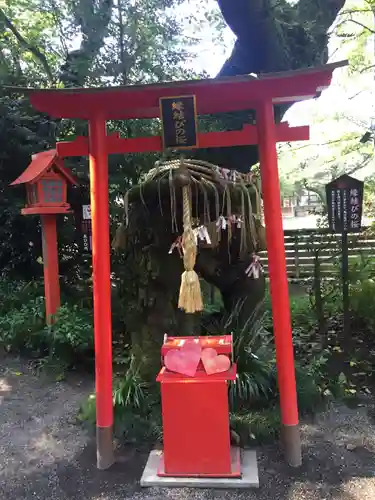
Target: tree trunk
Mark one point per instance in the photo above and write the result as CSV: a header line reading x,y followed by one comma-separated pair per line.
x,y
93,19
241,294
273,36
277,36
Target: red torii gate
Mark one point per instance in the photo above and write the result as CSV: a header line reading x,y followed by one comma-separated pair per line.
x,y
212,96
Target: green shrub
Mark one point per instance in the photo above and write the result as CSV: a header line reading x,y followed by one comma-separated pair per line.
x,y
87,411
136,403
361,280
137,408
69,341
15,294
72,328
255,384
362,301
135,426
130,391
301,312
23,326
361,267
254,355
309,393
254,352
130,423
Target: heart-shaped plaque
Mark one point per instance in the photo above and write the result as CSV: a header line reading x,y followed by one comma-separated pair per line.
x,y
214,363
184,360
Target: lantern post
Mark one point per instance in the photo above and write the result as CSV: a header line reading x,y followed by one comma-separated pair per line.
x,y
50,266
46,182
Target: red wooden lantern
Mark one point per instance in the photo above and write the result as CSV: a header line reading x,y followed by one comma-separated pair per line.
x,y
46,182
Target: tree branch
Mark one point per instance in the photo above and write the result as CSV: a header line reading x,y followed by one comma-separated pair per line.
x,y
353,11
319,190
121,43
362,25
93,19
328,143
355,95
366,68
326,10
38,55
359,166
57,18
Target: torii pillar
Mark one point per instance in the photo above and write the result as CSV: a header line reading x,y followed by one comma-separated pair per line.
x,y
98,158
279,287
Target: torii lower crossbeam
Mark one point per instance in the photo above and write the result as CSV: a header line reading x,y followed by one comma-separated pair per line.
x,y
245,137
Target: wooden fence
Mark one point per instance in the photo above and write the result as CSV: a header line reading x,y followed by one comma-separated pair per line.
x,y
302,247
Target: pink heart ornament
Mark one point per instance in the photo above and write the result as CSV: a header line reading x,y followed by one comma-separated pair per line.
x,y
214,363
184,360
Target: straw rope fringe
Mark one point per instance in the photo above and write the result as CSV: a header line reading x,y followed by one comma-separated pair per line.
x,y
206,181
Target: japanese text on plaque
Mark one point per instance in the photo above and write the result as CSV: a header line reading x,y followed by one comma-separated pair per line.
x,y
344,203
355,207
178,114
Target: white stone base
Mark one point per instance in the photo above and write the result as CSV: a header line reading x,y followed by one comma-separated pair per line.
x,y
249,475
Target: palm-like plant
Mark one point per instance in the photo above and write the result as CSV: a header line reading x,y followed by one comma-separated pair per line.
x,y
253,353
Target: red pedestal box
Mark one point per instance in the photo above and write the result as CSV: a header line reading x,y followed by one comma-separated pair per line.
x,y
196,418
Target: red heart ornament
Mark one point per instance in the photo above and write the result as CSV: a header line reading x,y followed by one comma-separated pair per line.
x,y
214,363
184,360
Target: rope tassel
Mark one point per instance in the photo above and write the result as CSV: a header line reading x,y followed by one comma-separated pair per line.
x,y
190,299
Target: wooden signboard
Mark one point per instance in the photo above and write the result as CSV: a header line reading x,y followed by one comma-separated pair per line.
x,y
179,122
86,228
344,201
82,215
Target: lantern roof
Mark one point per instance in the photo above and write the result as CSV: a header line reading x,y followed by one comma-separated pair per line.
x,y
215,95
42,163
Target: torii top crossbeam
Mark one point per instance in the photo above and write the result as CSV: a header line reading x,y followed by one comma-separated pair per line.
x,y
212,96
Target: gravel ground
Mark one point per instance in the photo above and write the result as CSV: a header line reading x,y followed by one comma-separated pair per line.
x,y
46,454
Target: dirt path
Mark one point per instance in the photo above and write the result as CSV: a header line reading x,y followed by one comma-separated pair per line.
x,y
45,454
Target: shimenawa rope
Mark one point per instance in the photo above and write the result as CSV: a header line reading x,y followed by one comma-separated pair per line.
x,y
190,299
